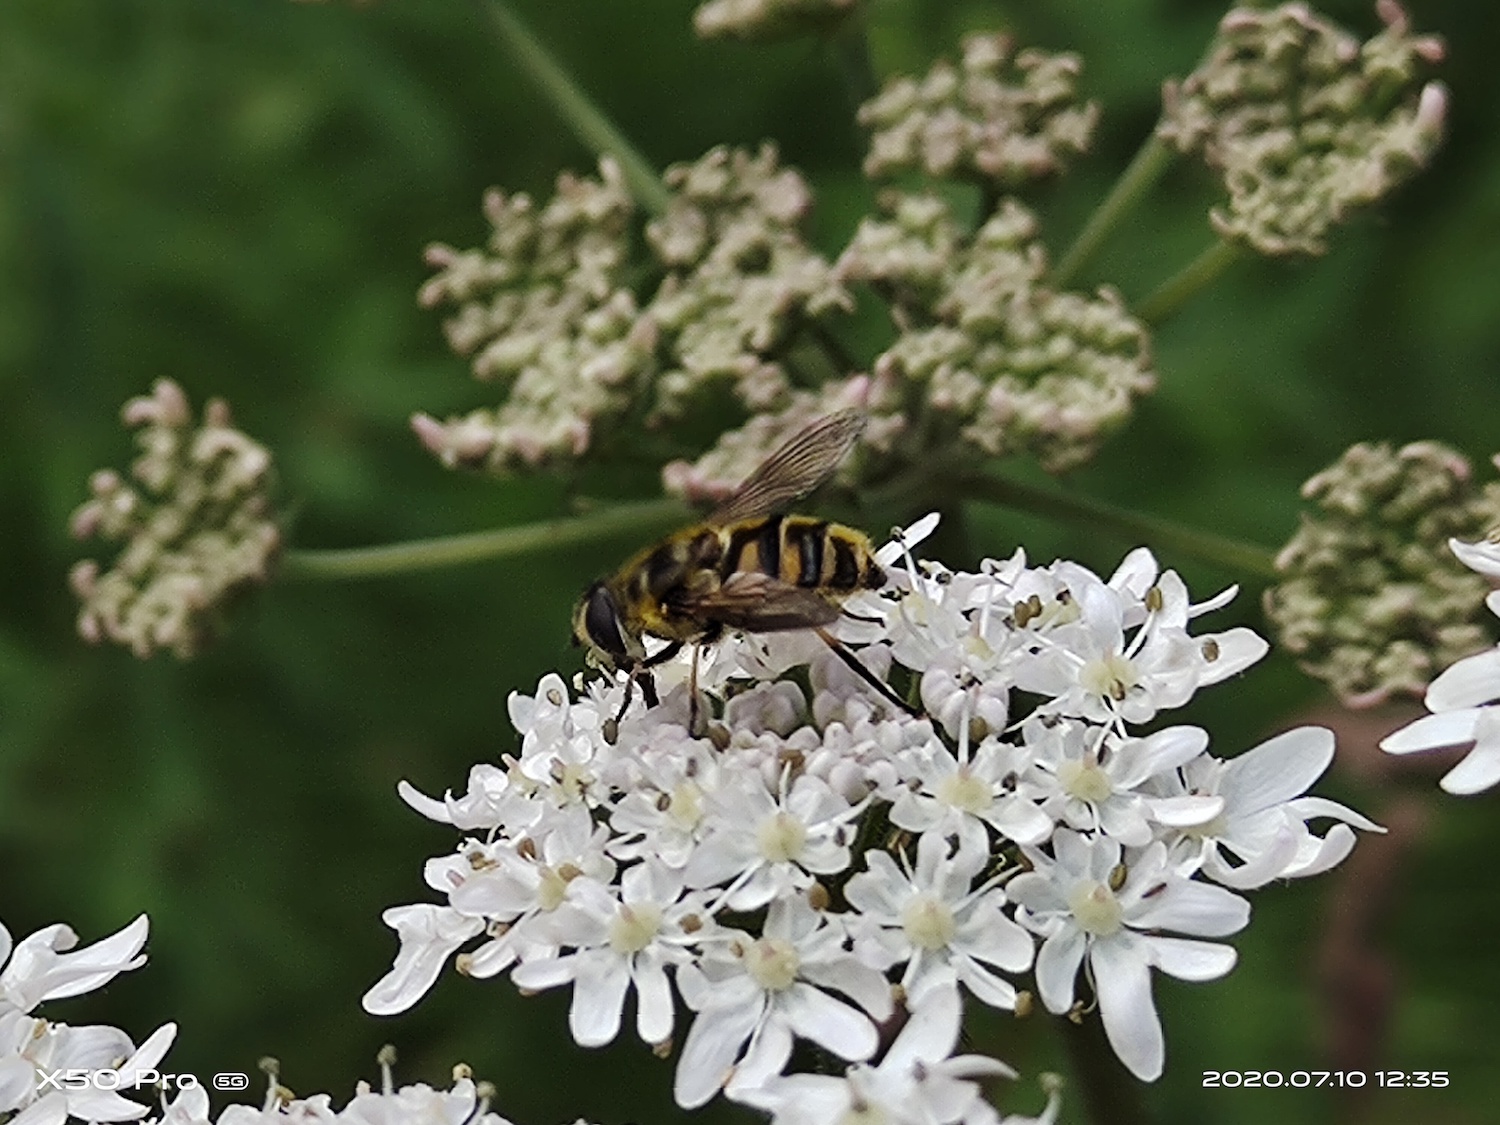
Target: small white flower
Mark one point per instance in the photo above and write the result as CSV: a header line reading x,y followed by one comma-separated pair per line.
x,y
44,966
1462,702
1099,778
1072,902
1262,832
429,935
918,1082
958,794
763,846
754,995
935,921
621,941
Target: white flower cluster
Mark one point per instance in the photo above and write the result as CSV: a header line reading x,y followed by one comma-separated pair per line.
x,y
1465,699
45,966
821,857
466,1103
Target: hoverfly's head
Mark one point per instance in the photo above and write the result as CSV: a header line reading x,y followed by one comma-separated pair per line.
x,y
600,629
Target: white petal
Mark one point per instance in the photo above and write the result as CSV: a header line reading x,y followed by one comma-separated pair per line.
x,y
429,934
1057,968
1329,852
815,1015
713,1044
931,1032
1123,982
1190,960
51,1110
1448,728
653,999
598,999
1468,683
1482,556
1184,812
1190,908
1238,649
1277,770
1478,771
430,807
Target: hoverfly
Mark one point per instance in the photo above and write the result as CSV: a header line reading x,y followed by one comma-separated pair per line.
x,y
745,567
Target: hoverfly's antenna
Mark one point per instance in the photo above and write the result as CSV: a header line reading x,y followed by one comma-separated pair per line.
x,y
857,666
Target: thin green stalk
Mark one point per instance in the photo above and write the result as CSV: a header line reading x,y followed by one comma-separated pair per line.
x,y
1198,274
588,122
1150,161
1163,534
504,542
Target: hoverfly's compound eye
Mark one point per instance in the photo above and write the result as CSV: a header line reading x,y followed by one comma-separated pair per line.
x,y
601,621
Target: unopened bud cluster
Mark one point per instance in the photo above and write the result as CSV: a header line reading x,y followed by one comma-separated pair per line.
x,y
1304,122
195,522
542,311
1001,116
768,19
741,279
1373,602
988,352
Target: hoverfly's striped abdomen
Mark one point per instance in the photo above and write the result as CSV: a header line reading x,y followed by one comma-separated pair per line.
x,y
801,551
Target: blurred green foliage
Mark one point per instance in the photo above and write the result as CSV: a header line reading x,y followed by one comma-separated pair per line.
x,y
235,194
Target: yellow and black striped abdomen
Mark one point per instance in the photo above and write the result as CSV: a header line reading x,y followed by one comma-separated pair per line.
x,y
800,551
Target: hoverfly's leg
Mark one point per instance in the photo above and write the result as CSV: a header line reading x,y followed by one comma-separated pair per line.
x,y
693,714
611,728
648,686
856,666
648,681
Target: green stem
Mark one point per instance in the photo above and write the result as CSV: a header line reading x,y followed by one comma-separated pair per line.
x,y
1150,161
1159,533
588,122
1198,274
454,550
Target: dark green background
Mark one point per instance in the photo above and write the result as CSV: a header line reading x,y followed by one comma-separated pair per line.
x,y
235,194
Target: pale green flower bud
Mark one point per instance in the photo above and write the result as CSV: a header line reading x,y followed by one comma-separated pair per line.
x,y
196,526
1001,117
1373,602
543,310
769,19
988,354
1305,123
741,281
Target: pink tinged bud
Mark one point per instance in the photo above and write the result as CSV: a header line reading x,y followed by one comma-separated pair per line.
x,y
84,578
430,432
1432,109
1392,15
104,482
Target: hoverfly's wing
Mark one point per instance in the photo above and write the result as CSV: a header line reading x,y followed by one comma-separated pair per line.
x,y
758,603
794,470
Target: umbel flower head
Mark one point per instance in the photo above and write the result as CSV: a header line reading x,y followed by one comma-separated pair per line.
x,y
988,352
195,521
1001,117
543,311
749,866
769,19
740,278
46,966
1304,122
1373,602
